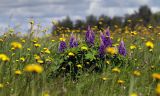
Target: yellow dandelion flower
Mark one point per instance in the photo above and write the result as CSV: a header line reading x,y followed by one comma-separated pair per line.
x,y
111,50
156,76
136,73
133,33
34,68
133,94
31,21
62,39
79,66
46,94
37,45
4,57
70,54
132,47
28,49
22,59
150,44
52,40
116,70
104,78
107,62
46,50
40,61
23,41
84,48
37,57
158,89
18,72
1,40
17,60
120,82
16,45
1,85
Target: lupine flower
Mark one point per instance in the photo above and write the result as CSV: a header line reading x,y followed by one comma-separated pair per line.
x,y
90,37
104,39
62,46
101,49
122,49
108,37
107,32
73,42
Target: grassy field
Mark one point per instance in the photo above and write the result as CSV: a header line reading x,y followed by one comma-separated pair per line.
x,y
29,64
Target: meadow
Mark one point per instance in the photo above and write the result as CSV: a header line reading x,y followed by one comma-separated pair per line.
x,y
123,62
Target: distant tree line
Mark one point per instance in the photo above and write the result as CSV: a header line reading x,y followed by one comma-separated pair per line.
x,y
143,16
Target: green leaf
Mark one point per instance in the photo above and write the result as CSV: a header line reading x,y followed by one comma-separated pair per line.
x,y
89,56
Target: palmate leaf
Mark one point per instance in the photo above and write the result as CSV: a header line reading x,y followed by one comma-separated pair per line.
x,y
89,56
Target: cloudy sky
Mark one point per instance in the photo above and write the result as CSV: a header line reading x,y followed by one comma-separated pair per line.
x,y
18,12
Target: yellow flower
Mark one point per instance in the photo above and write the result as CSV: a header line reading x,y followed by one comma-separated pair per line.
x,y
79,66
136,73
133,94
133,33
104,78
149,44
132,47
46,94
70,54
34,68
1,85
36,57
31,21
62,39
37,45
116,70
23,41
18,72
120,82
4,57
156,76
1,40
28,49
40,61
111,50
52,40
107,62
84,48
22,59
158,89
16,45
46,50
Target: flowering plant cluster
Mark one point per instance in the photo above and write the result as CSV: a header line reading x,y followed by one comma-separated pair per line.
x,y
89,55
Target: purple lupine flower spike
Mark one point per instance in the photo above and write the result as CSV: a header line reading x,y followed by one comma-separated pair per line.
x,y
109,40
90,37
73,42
122,49
62,46
107,32
101,49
